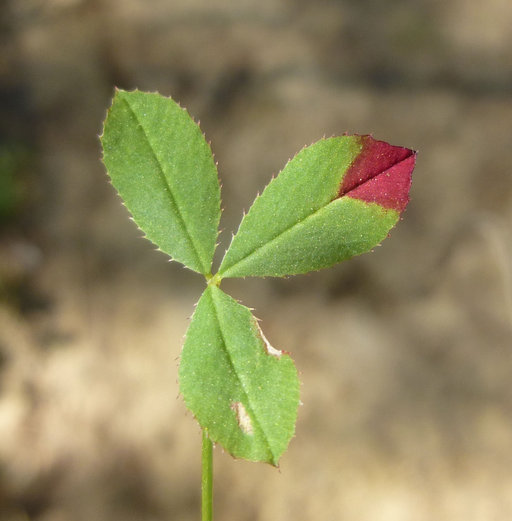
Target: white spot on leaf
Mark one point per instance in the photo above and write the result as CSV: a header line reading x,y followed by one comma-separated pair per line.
x,y
244,421
268,347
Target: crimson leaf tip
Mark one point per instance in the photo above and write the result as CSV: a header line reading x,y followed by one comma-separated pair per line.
x,y
381,173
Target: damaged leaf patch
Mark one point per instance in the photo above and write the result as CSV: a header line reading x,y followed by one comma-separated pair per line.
x,y
381,174
243,419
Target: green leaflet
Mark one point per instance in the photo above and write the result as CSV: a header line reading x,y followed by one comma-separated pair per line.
x,y
162,167
244,393
300,223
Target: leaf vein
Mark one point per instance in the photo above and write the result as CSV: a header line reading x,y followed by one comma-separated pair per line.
x,y
269,242
380,172
231,363
169,191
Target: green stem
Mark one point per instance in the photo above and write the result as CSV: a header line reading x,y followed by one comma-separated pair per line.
x,y
206,478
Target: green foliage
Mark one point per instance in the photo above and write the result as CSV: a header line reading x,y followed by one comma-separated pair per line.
x,y
335,199
161,165
244,392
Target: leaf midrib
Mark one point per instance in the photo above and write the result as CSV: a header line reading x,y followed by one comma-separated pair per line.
x,y
362,182
169,192
231,363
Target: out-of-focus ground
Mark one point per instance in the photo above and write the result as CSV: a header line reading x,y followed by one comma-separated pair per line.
x,y
405,354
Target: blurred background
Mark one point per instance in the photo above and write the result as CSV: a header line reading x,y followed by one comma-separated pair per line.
x,y
404,354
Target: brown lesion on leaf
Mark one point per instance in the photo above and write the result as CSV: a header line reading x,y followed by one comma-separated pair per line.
x,y
243,419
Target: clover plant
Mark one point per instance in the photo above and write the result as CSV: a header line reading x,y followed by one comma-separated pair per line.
x,y
335,199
